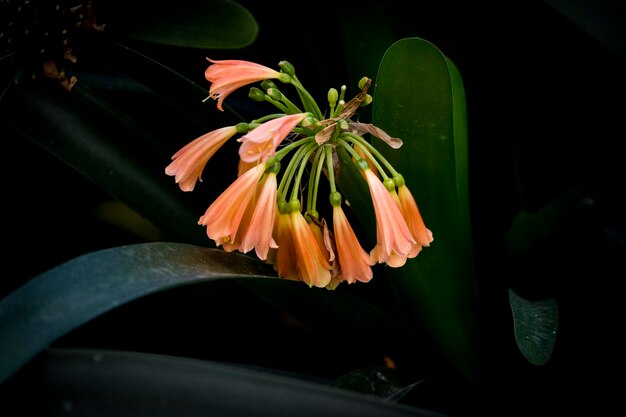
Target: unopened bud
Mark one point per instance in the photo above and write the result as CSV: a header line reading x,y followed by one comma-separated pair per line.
x,y
333,95
275,94
362,82
367,100
287,68
309,121
343,125
267,84
256,94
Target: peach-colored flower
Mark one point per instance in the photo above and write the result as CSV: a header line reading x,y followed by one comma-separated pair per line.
x,y
258,234
355,263
227,76
284,258
422,235
313,269
244,166
222,219
393,237
261,142
189,162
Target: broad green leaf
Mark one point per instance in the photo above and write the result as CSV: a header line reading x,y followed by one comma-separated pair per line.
x,y
67,296
208,24
535,324
419,98
88,381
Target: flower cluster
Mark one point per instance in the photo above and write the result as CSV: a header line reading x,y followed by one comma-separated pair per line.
x,y
265,209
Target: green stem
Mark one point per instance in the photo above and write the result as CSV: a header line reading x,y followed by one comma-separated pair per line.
x,y
282,152
268,117
370,149
277,103
354,153
307,100
329,167
309,149
289,172
318,162
292,107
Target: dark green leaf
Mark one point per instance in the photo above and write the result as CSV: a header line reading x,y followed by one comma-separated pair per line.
x,y
420,98
65,297
97,382
535,324
208,24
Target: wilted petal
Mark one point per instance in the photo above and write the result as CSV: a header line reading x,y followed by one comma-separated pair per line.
x,y
313,269
362,128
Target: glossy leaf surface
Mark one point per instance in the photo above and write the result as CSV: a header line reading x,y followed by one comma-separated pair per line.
x,y
420,98
65,297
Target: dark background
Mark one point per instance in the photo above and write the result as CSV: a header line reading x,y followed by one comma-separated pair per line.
x,y
545,97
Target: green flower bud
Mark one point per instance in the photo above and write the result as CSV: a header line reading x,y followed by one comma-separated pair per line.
x,y
287,68
267,84
256,94
275,94
309,121
343,125
333,95
362,82
367,100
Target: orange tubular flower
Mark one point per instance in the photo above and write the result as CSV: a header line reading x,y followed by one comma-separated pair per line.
x,y
313,269
258,235
422,235
227,76
261,143
223,217
393,237
355,263
284,257
189,162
